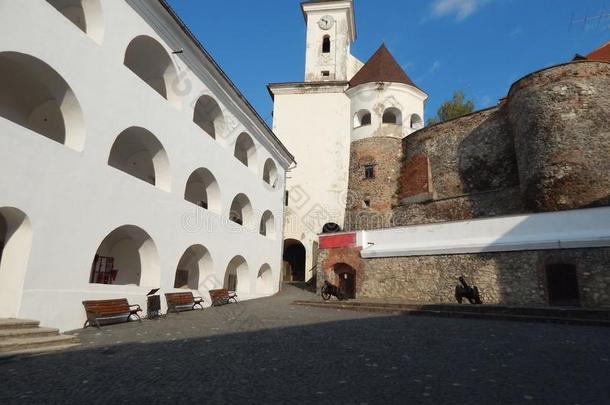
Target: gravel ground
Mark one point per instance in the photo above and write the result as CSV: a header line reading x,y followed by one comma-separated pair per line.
x,y
267,351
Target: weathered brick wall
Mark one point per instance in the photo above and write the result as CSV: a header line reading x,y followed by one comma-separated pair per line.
x,y
461,169
329,258
385,153
561,124
511,278
482,205
547,148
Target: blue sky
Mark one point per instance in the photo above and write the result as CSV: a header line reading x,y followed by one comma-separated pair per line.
x,y
479,46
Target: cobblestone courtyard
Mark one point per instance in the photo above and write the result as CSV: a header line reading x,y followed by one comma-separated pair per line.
x,y
268,351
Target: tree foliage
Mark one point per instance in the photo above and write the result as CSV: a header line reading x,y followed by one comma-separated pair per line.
x,y
457,107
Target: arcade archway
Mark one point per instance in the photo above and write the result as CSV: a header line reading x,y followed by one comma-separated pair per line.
x,y
294,260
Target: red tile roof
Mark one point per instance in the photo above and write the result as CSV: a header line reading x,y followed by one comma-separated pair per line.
x,y
381,67
602,53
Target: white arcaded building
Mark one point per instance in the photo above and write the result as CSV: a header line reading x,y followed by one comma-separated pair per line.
x,y
341,101
128,162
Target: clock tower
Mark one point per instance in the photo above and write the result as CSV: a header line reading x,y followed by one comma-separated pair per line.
x,y
331,30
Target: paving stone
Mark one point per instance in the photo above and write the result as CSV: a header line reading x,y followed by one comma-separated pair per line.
x,y
297,353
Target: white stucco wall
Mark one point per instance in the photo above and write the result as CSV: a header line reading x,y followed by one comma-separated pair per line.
x,y
314,124
377,98
73,199
586,228
338,61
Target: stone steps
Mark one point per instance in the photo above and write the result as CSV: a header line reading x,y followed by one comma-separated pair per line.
x,y
572,316
6,334
17,324
19,336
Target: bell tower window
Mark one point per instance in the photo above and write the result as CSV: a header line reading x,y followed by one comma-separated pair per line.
x,y
326,44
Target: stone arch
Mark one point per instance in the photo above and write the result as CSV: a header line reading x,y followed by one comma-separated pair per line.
x,y
209,117
245,151
264,280
15,247
85,14
346,279
195,269
241,210
202,190
416,122
267,227
149,60
294,259
136,151
362,118
36,97
392,115
270,175
127,256
237,276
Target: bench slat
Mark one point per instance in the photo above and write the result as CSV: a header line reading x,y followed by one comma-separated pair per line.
x,y
108,309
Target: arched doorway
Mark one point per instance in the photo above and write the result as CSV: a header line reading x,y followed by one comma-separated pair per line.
x,y
127,256
203,191
237,276
137,152
149,60
241,211
36,97
264,280
209,117
15,244
245,151
85,14
194,268
294,260
562,285
346,276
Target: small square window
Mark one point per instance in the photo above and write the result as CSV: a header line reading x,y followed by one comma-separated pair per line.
x,y
367,203
369,171
326,73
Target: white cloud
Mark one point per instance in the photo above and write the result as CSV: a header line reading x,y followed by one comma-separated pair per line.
x,y
461,9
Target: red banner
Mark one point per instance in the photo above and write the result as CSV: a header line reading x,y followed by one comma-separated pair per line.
x,y
337,241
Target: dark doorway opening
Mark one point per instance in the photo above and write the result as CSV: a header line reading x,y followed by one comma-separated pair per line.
x,y
562,285
294,261
347,280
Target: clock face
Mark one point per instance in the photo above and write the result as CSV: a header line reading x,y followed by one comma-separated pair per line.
x,y
326,22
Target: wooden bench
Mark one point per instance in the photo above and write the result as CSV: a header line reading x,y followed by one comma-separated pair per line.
x,y
108,310
183,301
222,297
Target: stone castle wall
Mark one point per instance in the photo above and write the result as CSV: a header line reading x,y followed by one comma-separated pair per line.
x,y
544,149
560,119
384,153
507,278
462,169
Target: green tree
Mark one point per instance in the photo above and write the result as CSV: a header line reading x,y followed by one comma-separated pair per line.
x,y
457,107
